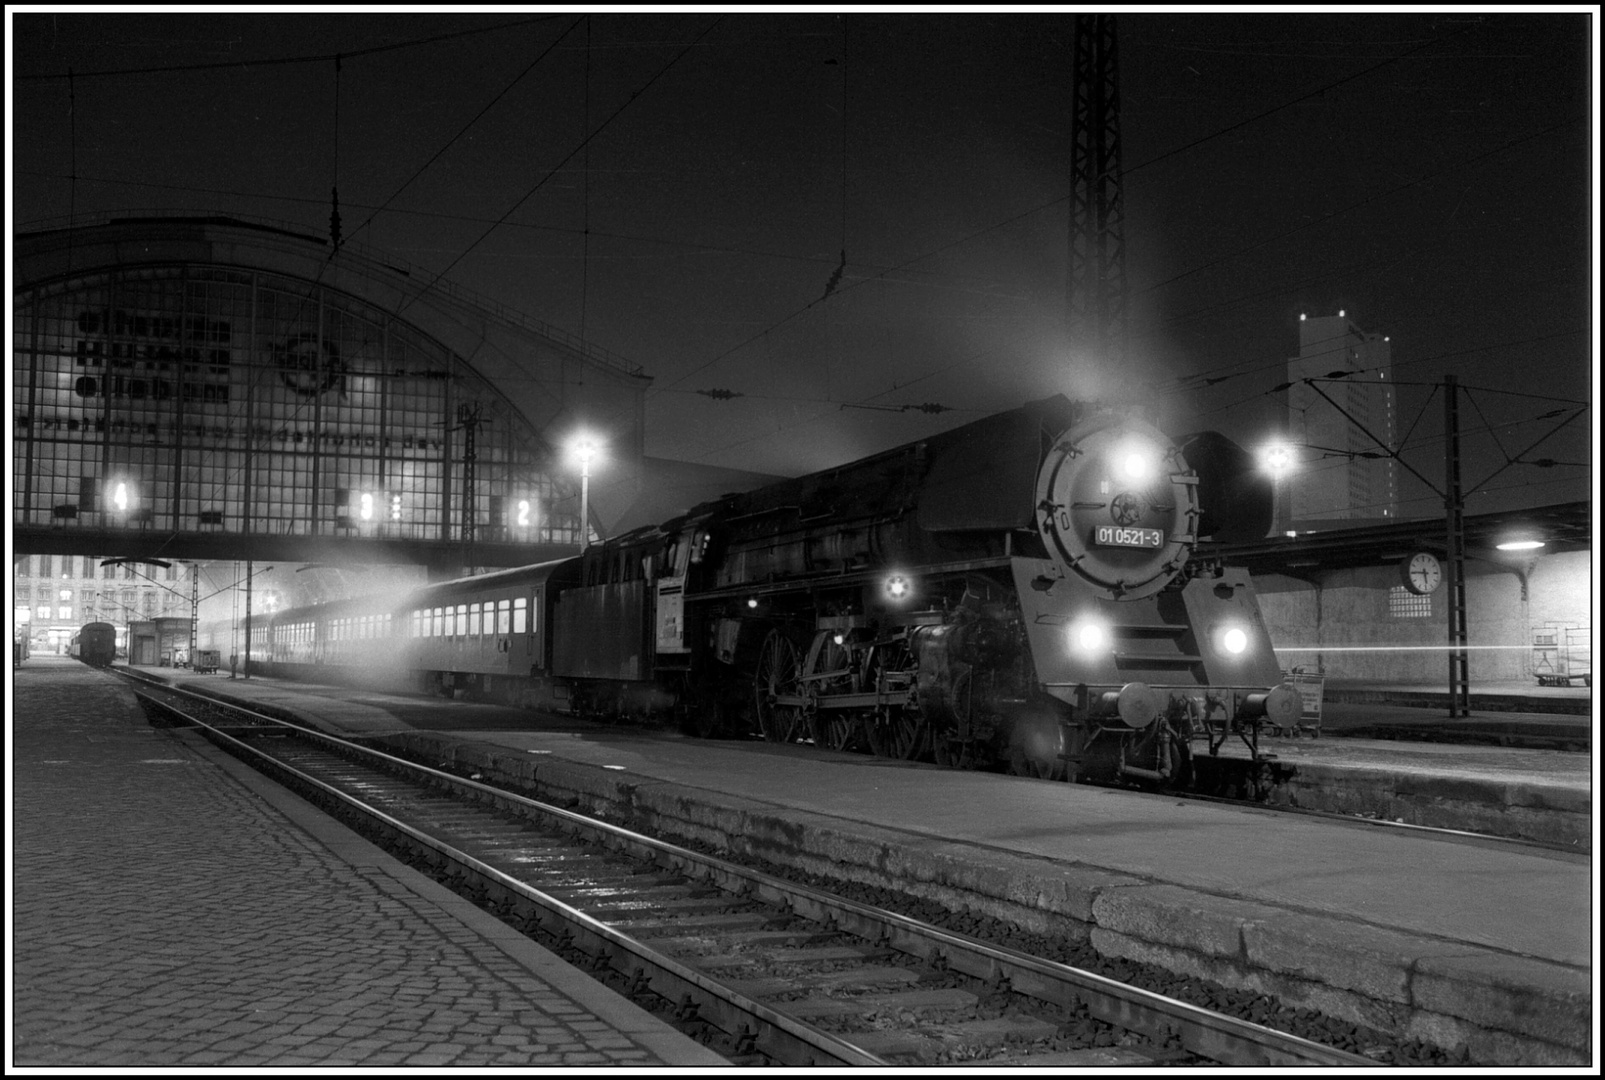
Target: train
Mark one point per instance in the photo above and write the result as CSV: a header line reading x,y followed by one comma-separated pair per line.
x,y
1023,592
95,644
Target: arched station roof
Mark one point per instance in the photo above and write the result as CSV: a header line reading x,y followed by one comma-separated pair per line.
x,y
220,388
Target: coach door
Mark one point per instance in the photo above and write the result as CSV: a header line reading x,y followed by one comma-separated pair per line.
x,y
518,625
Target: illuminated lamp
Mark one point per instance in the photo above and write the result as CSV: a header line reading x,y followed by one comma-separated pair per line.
x,y
1089,637
365,510
898,587
525,514
1231,640
1136,463
585,449
1277,457
752,601
1520,545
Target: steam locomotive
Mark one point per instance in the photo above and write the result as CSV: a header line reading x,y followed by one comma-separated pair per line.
x,y
1020,592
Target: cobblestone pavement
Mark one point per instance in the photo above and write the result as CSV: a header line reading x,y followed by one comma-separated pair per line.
x,y
171,909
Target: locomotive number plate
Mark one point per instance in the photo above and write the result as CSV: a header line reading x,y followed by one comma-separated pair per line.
x,y
1116,536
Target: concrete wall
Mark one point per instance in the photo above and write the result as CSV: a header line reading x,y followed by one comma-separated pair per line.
x,y
1350,611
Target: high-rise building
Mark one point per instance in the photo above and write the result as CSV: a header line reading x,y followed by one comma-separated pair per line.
x,y
1345,470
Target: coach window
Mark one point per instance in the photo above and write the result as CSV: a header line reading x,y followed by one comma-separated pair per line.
x,y
504,616
462,619
520,615
473,620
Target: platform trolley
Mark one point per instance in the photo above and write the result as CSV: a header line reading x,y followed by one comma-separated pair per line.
x,y
1562,653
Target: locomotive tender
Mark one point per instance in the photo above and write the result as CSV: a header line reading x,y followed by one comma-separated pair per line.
x,y
1019,591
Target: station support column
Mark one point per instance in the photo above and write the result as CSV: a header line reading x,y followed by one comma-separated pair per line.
x,y
1454,506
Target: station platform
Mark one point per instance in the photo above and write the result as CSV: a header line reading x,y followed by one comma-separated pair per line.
x,y
1464,943
1526,696
173,908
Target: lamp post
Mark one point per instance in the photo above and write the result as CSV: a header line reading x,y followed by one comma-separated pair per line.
x,y
584,449
1277,458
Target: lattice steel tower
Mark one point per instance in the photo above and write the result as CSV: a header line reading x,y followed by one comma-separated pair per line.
x,y
1097,282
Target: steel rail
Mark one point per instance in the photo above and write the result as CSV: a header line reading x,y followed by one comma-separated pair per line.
x,y
774,1033
1206,1033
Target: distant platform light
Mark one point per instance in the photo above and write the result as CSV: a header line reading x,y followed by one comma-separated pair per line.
x,y
1342,314
1277,457
897,587
752,601
1520,545
1302,317
395,508
367,506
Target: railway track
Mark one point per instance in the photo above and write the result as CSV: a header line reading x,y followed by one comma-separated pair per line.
x,y
763,969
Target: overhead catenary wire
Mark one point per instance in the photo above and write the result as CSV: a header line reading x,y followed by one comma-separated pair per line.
x,y
587,243
305,58
1151,161
631,100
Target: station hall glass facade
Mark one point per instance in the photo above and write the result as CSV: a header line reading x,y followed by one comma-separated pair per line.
x,y
210,399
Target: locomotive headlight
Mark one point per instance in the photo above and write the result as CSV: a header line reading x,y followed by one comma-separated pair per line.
x,y
1136,462
1090,637
1231,640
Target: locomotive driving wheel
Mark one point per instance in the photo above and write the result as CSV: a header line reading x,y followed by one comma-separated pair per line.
x,y
902,734
836,729
777,675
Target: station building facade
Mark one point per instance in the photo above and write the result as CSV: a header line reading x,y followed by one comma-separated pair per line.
x,y
205,379
54,595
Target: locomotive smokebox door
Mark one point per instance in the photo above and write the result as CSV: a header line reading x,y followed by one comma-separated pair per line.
x,y
1118,506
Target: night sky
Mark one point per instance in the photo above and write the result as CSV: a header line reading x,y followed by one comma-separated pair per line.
x,y
1430,174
